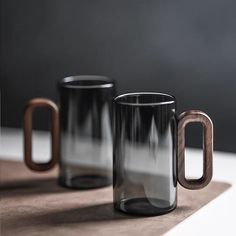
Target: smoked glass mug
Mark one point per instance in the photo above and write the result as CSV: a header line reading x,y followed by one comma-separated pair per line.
x,y
81,132
149,152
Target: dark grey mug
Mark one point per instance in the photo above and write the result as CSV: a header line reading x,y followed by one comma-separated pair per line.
x,y
149,147
81,132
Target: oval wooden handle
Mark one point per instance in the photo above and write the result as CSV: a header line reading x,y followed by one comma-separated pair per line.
x,y
184,119
27,128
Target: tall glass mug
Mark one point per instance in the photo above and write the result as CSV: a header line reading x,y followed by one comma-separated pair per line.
x,y
149,148
81,132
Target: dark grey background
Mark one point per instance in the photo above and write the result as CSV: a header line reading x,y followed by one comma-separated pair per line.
x,y
185,47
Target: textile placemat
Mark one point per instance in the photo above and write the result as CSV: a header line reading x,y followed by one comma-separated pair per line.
x,y
34,204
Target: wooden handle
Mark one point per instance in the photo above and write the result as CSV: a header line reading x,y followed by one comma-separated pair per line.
x,y
184,119
27,127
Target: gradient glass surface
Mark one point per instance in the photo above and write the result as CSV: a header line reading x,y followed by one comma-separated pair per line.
x,y
144,155
86,133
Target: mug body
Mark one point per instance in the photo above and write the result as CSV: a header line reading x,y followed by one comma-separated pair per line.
x,y
86,131
144,153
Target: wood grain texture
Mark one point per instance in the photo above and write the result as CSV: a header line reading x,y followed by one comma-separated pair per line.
x,y
27,128
184,119
34,204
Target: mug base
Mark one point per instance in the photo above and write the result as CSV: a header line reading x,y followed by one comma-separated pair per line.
x,y
85,182
144,206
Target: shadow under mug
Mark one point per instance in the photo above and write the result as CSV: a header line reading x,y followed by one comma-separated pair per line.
x,y
149,152
81,132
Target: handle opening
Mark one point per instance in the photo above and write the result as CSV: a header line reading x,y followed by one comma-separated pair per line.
x,y
184,119
27,128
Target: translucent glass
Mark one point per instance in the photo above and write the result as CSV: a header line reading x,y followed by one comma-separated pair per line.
x,y
144,158
86,132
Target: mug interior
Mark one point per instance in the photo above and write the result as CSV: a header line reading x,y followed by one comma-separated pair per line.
x,y
145,98
86,81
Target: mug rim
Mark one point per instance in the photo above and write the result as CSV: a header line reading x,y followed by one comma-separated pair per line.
x,y
119,98
100,81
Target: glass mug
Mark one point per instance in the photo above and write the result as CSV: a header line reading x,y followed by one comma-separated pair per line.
x,y
148,152
81,132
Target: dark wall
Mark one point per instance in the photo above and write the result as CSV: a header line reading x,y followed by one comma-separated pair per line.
x,y
185,47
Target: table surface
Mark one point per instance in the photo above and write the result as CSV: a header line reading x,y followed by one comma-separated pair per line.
x,y
215,218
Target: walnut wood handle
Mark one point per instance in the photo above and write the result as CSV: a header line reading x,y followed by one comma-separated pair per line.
x,y
27,127
184,119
